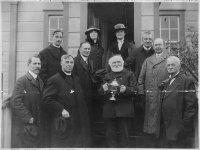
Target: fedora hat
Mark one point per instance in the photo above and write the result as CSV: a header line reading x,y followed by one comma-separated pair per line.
x,y
92,28
119,26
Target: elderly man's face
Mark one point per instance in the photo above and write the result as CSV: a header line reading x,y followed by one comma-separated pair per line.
x,y
85,49
158,46
67,64
120,34
116,66
35,65
172,66
147,40
57,38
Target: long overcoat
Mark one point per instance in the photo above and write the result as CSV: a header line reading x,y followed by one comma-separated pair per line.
x,y
123,106
153,72
50,61
25,103
179,107
65,92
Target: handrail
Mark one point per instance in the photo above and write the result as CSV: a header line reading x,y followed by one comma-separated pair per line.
x,y
5,102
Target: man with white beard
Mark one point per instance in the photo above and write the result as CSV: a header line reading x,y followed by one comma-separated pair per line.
x,y
118,107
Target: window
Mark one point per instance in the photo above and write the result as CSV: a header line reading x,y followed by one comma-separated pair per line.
x,y
55,22
169,28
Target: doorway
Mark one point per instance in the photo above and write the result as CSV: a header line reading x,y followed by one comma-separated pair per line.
x,y
106,15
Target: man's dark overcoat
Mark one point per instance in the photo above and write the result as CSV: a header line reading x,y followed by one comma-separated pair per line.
x,y
25,103
123,106
65,92
50,61
136,59
153,72
179,106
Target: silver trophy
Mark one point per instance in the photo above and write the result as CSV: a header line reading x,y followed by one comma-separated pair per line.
x,y
113,86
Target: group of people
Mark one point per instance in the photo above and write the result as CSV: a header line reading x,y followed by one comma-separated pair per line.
x,y
52,103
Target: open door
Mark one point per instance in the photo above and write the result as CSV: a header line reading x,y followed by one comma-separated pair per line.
x,y
106,15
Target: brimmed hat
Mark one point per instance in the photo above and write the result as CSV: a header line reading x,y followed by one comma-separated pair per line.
x,y
119,26
91,28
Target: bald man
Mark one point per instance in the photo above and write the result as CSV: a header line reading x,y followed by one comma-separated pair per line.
x,y
179,107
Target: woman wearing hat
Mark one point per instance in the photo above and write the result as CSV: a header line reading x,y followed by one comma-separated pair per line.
x,y
120,45
97,50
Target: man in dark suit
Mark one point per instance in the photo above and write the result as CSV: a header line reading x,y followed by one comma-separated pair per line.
x,y
120,45
134,63
25,104
179,107
50,65
118,109
63,99
50,56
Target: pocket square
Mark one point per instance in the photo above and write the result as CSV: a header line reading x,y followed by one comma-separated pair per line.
x,y
72,91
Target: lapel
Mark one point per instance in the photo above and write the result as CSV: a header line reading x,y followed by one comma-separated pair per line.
x,y
32,80
170,88
124,47
63,75
41,83
83,63
156,61
56,52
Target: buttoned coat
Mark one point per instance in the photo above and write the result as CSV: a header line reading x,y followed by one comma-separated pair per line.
x,y
179,107
64,92
50,61
123,106
25,103
153,72
136,58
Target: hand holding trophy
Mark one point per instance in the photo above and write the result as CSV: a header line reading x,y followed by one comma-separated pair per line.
x,y
113,86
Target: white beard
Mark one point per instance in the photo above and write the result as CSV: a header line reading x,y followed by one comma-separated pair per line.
x,y
117,69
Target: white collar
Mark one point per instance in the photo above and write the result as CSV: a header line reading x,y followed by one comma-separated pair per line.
x,y
84,58
33,74
159,54
68,74
55,45
120,41
147,49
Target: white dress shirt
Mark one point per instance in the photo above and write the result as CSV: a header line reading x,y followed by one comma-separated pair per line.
x,y
158,55
85,59
33,74
120,43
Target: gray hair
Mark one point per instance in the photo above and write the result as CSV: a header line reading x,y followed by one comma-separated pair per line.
x,y
66,56
174,58
114,58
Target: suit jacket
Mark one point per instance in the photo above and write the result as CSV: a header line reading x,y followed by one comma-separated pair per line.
x,y
85,73
64,92
179,106
153,72
50,61
136,58
25,103
123,106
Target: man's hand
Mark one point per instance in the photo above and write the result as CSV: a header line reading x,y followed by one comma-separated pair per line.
x,y
122,89
105,87
65,113
31,120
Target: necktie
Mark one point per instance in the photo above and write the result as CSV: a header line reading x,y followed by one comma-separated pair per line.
x,y
37,82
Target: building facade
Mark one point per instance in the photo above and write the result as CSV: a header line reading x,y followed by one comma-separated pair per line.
x,y
27,28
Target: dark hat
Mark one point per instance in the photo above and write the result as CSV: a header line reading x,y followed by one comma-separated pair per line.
x,y
31,135
62,125
91,28
119,26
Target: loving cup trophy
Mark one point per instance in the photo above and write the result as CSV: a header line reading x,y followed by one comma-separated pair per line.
x,y
113,86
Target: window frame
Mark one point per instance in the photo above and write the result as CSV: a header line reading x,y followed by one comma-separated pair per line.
x,y
48,13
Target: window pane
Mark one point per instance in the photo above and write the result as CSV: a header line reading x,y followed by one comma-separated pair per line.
x,y
165,34
53,23
174,22
164,22
174,35
50,35
61,23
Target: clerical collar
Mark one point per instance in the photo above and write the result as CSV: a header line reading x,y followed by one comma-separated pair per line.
x,y
84,58
158,55
68,74
170,76
145,48
33,74
55,46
